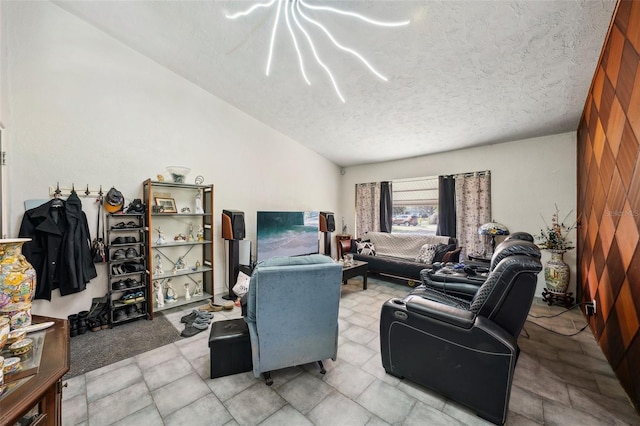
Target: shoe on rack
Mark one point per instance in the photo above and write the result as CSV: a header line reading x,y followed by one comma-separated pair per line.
x,y
120,315
119,254
133,267
117,270
119,285
128,298
132,224
131,253
119,240
131,240
139,296
131,283
132,311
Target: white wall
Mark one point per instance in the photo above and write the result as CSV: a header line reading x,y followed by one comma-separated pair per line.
x,y
85,109
527,178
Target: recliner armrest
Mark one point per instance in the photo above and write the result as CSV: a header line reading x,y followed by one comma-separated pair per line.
x,y
438,311
461,287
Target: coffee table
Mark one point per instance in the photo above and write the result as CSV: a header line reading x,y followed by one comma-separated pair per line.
x,y
356,269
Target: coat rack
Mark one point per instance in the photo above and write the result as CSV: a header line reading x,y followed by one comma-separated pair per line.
x,y
57,191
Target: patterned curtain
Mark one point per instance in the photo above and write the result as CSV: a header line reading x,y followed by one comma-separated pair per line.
x,y
473,208
367,208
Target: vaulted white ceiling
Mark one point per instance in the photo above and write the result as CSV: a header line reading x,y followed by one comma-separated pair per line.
x,y
461,74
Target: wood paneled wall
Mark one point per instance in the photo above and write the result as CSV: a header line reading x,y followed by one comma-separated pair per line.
x,y
609,198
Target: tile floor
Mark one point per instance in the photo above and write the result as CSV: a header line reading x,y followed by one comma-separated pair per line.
x,y
558,381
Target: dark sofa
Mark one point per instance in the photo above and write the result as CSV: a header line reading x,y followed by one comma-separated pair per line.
x,y
395,254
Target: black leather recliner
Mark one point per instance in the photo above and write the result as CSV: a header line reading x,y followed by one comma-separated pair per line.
x,y
466,287
466,351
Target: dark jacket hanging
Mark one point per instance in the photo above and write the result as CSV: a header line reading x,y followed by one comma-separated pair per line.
x,y
59,249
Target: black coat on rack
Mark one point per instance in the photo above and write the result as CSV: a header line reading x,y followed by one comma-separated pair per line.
x,y
60,246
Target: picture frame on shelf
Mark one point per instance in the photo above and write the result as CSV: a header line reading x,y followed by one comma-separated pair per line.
x,y
168,204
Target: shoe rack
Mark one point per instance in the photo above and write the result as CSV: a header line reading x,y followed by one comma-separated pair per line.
x,y
128,272
179,243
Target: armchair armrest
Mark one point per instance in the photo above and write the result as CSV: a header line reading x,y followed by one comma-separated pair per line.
x,y
452,256
344,246
440,312
462,287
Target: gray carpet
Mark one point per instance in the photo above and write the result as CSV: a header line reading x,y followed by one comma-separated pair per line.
x,y
94,350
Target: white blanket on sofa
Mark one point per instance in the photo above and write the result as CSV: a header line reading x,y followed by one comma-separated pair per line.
x,y
404,246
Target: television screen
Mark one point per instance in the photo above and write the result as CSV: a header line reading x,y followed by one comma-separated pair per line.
x,y
286,234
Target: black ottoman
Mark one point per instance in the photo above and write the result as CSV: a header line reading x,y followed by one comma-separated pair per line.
x,y
230,348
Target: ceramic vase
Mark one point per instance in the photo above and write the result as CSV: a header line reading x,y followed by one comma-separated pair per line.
x,y
556,273
17,283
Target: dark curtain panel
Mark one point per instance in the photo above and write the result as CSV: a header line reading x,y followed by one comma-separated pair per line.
x,y
386,206
446,206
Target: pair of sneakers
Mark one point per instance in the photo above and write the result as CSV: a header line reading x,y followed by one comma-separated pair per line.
x,y
127,268
124,240
132,297
121,254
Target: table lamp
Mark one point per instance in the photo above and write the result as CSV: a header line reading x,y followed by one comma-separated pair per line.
x,y
493,228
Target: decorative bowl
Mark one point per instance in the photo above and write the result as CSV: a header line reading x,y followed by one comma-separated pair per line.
x,y
16,336
21,347
11,365
178,173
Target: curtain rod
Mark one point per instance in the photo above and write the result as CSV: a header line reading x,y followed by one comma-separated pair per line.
x,y
470,174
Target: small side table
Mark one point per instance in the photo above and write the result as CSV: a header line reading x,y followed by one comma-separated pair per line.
x,y
357,268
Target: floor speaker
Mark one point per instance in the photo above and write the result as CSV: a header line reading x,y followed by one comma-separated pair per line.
x,y
233,225
327,222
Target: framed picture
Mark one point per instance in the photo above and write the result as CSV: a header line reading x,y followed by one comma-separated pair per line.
x,y
168,205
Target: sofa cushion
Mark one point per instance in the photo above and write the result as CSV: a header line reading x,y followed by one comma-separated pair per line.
x,y
427,252
366,248
441,250
404,246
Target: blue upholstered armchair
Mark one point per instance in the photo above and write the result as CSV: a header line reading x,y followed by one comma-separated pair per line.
x,y
292,312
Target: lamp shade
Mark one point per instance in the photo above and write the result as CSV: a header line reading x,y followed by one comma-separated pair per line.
x,y
493,228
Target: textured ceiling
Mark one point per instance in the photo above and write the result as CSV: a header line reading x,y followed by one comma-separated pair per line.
x,y
463,73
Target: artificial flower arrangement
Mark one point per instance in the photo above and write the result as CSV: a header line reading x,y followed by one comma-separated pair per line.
x,y
556,236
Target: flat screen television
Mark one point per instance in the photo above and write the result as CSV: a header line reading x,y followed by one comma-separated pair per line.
x,y
286,234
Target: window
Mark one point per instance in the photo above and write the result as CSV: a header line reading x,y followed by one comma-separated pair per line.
x,y
415,205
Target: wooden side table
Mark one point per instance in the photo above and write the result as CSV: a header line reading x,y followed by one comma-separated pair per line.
x,y
44,389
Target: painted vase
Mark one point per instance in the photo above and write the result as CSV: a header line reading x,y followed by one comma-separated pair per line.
x,y
17,283
556,273
4,331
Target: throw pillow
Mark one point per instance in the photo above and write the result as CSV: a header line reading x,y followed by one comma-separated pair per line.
x,y
366,249
426,253
441,250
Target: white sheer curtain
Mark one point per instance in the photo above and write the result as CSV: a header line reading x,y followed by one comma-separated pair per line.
x,y
473,208
367,208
